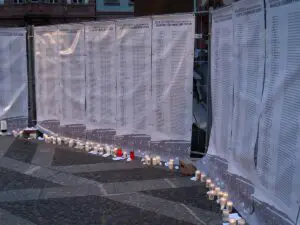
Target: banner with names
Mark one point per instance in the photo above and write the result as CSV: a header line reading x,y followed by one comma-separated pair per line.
x,y
133,38
47,73
13,77
172,77
72,56
248,72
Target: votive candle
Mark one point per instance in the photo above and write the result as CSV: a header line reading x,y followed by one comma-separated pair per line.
x,y
225,195
203,176
225,215
241,222
208,182
223,202
217,190
158,160
211,195
232,222
229,206
198,175
171,164
212,186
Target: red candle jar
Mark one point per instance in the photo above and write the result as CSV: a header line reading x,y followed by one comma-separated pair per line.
x,y
119,152
132,155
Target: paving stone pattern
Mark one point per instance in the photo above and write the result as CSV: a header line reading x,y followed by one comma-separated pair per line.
x,y
85,211
147,173
21,150
10,180
94,190
65,157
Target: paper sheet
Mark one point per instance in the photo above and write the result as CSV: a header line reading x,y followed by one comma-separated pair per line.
x,y
172,77
100,75
248,70
279,134
221,81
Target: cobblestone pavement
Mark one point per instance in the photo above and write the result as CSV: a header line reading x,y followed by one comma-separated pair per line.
x,y
44,184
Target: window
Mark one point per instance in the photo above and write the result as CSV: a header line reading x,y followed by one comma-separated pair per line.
x,y
112,2
79,1
18,1
130,3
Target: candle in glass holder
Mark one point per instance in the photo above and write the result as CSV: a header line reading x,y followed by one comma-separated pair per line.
x,y
225,215
241,222
232,222
154,161
87,147
217,190
71,143
220,195
229,206
198,175
171,164
147,160
211,186
203,176
211,195
125,154
225,195
54,140
223,202
59,141
158,160
208,182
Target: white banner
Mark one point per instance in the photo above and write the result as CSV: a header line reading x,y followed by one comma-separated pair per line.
x,y
248,72
72,55
133,75
172,77
221,81
47,73
278,161
13,73
100,75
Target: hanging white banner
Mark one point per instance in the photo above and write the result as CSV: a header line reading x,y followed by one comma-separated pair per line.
x,y
72,55
172,77
278,158
248,72
100,75
47,73
221,81
13,75
133,75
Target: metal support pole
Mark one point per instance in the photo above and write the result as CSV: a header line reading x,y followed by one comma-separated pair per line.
x,y
209,107
31,77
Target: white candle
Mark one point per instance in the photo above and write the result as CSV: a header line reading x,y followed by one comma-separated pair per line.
x,y
211,186
59,141
203,176
148,160
87,147
211,195
154,161
125,154
100,149
171,164
157,160
3,125
198,175
208,182
223,202
225,214
217,190
229,206
71,143
232,222
54,140
225,195
241,222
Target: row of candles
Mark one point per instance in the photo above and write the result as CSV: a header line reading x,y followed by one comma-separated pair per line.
x,y
155,161
88,146
222,198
